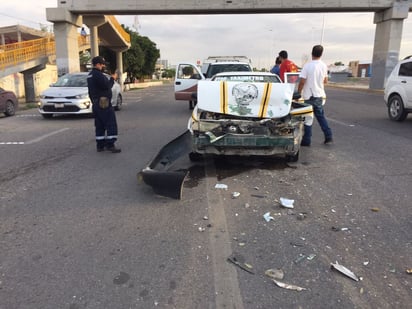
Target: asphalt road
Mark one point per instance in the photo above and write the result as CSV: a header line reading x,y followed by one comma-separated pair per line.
x,y
78,230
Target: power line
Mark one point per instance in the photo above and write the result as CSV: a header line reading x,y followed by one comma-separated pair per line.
x,y
23,19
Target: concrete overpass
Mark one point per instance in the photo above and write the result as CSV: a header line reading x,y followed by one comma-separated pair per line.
x,y
389,16
104,31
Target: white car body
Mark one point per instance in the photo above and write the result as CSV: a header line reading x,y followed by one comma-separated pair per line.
x,y
398,91
72,100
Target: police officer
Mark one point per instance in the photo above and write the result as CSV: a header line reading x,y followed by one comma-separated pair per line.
x,y
100,92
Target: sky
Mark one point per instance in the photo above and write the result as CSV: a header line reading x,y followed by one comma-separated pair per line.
x,y
192,38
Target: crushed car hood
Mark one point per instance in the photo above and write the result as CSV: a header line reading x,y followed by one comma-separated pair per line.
x,y
244,99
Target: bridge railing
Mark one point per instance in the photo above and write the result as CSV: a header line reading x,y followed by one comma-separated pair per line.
x,y
16,53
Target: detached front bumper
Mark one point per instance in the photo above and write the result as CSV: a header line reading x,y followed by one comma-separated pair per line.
x,y
166,172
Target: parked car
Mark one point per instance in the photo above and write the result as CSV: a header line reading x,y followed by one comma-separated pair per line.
x,y
398,90
8,102
69,95
247,113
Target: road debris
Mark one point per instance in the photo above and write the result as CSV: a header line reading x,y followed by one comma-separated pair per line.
x,y
237,261
375,209
287,203
288,286
300,258
221,186
342,269
235,194
311,256
268,217
338,229
275,273
409,271
301,216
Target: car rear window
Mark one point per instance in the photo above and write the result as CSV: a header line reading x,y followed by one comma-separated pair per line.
x,y
236,67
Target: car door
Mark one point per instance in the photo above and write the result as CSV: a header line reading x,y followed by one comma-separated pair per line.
x,y
187,76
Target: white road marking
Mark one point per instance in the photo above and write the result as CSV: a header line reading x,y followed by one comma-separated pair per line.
x,y
340,122
38,139
46,136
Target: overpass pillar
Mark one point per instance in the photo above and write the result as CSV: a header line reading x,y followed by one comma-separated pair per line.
x,y
119,62
66,38
28,76
93,22
388,35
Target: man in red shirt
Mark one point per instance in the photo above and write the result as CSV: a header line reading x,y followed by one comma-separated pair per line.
x,y
286,65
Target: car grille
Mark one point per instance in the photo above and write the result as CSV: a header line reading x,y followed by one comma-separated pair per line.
x,y
65,109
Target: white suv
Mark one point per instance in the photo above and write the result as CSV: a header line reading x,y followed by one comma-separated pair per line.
x,y
398,90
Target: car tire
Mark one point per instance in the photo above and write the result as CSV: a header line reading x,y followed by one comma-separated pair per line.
x,y
119,102
396,109
292,158
191,105
10,108
47,116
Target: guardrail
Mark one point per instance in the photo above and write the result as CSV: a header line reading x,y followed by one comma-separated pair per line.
x,y
17,53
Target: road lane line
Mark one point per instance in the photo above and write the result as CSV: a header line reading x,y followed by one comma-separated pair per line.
x,y
340,122
226,282
40,138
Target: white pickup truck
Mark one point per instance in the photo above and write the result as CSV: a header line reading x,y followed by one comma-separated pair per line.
x,y
188,74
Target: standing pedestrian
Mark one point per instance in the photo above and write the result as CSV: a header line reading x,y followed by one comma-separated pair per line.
x,y
83,34
100,93
276,68
286,65
313,77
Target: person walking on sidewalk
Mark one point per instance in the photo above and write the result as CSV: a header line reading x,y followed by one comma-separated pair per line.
x,y
313,77
100,93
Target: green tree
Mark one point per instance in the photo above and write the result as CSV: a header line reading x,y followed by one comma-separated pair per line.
x,y
140,59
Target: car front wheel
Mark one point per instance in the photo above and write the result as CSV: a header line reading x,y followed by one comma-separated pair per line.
x,y
10,108
396,110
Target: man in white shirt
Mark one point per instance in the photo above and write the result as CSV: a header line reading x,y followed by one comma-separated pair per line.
x,y
313,77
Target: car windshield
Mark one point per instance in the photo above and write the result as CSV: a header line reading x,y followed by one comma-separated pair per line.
x,y
72,80
249,78
214,69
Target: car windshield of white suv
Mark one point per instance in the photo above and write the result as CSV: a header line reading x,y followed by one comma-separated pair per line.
x,y
69,80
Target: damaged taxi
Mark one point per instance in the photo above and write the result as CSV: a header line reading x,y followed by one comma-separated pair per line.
x,y
248,113
237,113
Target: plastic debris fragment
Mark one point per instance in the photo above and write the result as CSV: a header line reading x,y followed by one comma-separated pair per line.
x,y
221,186
268,217
299,258
288,286
375,209
236,260
311,256
275,273
409,271
235,194
285,202
342,269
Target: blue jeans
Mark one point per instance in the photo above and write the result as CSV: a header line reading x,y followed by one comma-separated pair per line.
x,y
320,117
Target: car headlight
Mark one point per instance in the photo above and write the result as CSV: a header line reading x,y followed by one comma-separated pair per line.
x,y
42,96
